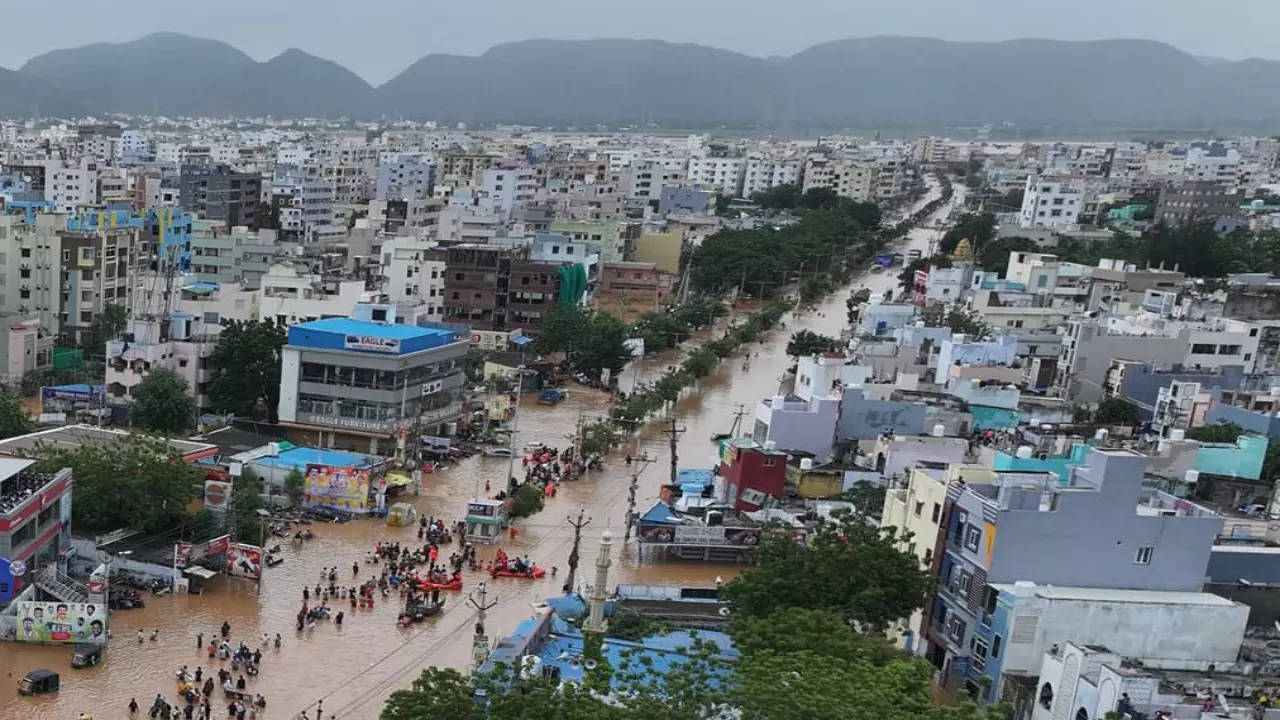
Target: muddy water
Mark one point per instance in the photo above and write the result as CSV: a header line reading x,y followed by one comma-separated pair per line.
x,y
354,667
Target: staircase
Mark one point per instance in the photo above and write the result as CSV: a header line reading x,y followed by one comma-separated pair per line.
x,y
61,586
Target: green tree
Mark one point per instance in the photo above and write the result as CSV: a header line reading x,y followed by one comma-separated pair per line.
x,y
778,197
244,523
978,228
806,342
245,368
994,256
866,497
907,278
162,404
821,631
1117,411
849,567
294,485
13,418
436,694
135,482
591,340
1219,432
106,325
956,319
527,500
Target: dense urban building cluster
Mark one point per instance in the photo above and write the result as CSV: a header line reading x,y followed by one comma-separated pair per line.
x,y
1054,385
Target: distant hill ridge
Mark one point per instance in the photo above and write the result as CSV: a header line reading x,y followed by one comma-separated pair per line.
x,y
863,82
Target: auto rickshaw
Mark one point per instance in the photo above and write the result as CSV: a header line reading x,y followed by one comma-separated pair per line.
x,y
86,655
38,682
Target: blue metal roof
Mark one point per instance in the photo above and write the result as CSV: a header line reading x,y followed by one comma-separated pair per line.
x,y
563,648
347,326
332,333
301,457
659,513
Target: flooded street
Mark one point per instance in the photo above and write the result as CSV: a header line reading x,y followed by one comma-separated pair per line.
x,y
354,667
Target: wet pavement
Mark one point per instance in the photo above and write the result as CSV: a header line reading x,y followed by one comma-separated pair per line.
x,y
355,666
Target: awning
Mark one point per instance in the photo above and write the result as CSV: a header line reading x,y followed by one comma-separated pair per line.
x,y
397,479
203,573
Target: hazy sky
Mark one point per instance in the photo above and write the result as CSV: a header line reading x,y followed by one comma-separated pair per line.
x,y
379,38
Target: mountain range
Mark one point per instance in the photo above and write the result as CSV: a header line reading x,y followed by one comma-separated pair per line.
x,y
888,82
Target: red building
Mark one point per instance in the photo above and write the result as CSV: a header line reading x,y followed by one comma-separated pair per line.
x,y
752,473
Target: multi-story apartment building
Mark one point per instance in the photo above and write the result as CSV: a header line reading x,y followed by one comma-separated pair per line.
x,y
505,187
175,325
68,185
1196,201
405,178
493,287
292,294
236,255
721,174
414,271
360,383
1050,202
216,192
853,180
1097,527
763,172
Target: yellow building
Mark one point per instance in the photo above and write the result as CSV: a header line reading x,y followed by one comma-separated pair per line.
x,y
815,483
916,509
661,249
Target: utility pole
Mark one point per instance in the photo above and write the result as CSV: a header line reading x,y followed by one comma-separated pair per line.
x,y
480,642
673,434
573,554
638,464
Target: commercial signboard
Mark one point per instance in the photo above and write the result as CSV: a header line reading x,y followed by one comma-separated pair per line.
x,y
698,535
216,495
61,622
345,488
371,343
7,582
182,553
244,561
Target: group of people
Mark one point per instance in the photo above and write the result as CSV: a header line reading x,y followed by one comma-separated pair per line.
x,y
197,689
519,565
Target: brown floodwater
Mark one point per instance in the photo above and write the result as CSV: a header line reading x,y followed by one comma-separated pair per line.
x,y
354,667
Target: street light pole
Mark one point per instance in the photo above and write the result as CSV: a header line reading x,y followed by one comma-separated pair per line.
x,y
573,554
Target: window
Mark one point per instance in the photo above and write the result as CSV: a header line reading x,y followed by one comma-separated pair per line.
x,y
955,629
1253,332
1202,348
182,362
995,648
1143,556
972,538
979,654
928,557
937,512
964,584
1042,280
919,508
771,461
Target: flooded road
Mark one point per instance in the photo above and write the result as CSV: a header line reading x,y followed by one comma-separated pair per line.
x,y
354,667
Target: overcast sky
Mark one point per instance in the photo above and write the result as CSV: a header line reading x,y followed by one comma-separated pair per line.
x,y
379,38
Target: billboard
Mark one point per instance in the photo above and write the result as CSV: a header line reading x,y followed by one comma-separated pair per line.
x,y
244,561
346,488
182,553
8,583
372,343
698,535
61,622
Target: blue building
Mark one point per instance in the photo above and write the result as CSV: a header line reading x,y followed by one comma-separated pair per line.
x,y
362,383
1097,527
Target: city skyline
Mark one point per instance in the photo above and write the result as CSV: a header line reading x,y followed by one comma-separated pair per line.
x,y
376,49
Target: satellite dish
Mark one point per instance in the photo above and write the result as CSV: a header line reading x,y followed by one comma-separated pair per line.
x,y
724,612
589,664
18,568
